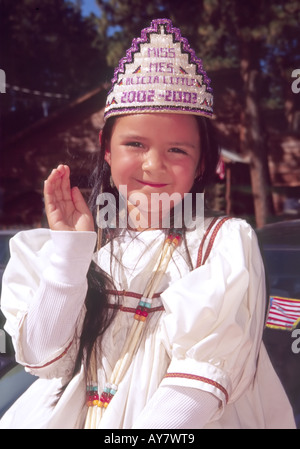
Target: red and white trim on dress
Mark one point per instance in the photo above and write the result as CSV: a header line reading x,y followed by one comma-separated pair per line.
x,y
200,379
51,361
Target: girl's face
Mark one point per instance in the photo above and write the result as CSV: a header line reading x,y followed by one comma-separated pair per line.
x,y
154,153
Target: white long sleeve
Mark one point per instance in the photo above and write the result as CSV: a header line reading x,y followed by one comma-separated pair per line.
x,y
53,312
178,408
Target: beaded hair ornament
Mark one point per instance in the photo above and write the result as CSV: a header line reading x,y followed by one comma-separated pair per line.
x,y
160,73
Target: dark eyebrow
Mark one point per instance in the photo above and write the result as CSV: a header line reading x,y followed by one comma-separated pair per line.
x,y
185,144
132,136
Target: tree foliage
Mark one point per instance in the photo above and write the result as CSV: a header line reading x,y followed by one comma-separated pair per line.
x,y
46,46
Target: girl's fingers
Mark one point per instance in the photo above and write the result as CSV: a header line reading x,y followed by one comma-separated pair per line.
x,y
57,188
58,181
65,182
84,216
66,208
79,201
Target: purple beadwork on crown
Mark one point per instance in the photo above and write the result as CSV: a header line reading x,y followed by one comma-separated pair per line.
x,y
160,72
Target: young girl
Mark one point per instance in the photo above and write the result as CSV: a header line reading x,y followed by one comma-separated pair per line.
x,y
161,326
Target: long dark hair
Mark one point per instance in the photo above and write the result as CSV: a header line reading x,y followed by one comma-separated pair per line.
x,y
98,316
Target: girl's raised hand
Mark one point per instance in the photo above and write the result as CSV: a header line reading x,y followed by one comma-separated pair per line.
x,y
66,208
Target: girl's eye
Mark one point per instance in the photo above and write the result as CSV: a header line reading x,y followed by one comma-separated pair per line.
x,y
134,144
177,150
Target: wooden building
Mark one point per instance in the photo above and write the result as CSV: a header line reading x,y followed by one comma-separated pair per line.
x,y
69,136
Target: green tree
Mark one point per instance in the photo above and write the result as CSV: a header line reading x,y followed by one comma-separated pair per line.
x,y
253,37
46,46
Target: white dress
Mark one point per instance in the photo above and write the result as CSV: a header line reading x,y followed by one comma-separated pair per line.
x,y
204,331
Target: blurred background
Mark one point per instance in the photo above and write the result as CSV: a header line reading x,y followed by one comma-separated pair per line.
x,y
58,58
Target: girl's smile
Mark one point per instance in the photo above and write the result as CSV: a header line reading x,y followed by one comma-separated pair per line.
x,y
152,184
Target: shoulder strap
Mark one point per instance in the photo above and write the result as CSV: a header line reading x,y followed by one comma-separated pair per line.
x,y
215,224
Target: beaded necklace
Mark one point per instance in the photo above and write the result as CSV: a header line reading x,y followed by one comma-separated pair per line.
x,y
96,403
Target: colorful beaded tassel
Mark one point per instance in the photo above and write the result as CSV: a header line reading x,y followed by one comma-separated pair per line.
x,y
92,396
142,309
107,395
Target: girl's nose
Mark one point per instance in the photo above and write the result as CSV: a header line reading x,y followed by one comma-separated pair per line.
x,y
153,160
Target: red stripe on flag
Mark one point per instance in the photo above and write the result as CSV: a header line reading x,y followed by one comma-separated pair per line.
x,y
284,313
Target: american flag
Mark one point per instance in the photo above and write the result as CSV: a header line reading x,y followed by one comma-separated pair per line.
x,y
284,313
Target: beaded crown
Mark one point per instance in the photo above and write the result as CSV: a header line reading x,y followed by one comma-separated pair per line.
x,y
160,73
